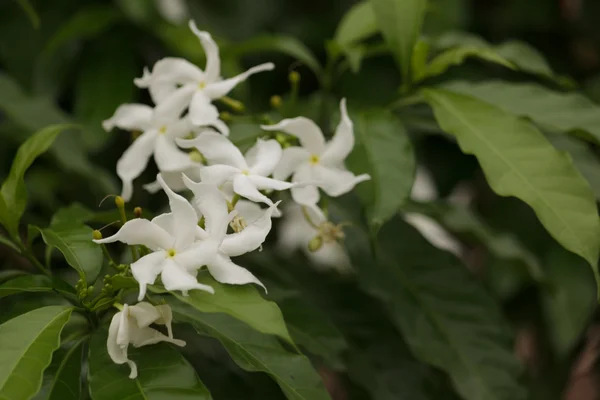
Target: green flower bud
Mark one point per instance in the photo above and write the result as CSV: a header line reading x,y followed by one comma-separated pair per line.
x,y
225,116
97,235
137,212
119,202
276,101
294,77
315,244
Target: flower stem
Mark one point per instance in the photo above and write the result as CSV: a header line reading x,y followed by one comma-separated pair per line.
x,y
121,206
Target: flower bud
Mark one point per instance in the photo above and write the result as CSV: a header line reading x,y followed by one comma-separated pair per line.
x,y
315,244
137,212
119,202
294,77
276,101
97,235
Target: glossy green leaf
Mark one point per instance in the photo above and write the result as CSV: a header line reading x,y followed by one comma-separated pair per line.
x,y
445,315
75,243
62,379
400,22
26,346
385,152
73,214
6,241
564,112
357,24
13,189
254,351
519,161
36,283
163,374
241,302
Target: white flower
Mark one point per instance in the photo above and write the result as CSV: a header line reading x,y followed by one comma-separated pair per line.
x,y
160,127
296,233
212,205
174,11
132,325
248,174
176,255
176,75
317,162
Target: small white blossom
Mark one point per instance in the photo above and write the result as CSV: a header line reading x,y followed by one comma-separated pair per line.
x,y
247,174
132,326
316,162
200,87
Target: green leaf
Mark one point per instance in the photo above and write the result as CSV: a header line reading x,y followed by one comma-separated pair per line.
x,y
357,24
445,315
27,343
13,189
385,152
73,214
400,22
254,351
62,379
36,283
519,161
75,243
6,241
31,13
241,302
163,373
564,112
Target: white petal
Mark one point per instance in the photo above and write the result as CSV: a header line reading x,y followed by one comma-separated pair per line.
x,y
149,336
169,158
174,11
141,231
248,210
309,134
167,74
124,327
175,277
225,271
291,159
434,232
263,157
198,255
130,117
307,195
146,269
173,178
144,314
245,188
203,113
134,160
216,148
212,205
216,90
170,109
294,231
337,181
342,142
181,128
212,72
116,352
185,218
332,255
251,237
218,174
423,188
263,183
166,317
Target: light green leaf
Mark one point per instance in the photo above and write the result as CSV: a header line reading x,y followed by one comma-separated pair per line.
x,y
254,351
400,22
241,302
447,318
357,24
519,161
36,283
75,243
163,373
564,112
73,214
62,379
385,152
13,189
26,344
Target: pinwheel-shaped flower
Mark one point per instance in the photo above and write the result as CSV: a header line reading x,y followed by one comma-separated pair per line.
x,y
176,75
319,163
248,174
160,127
132,325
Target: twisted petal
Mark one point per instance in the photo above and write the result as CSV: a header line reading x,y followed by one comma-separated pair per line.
x,y
216,148
342,143
212,205
337,181
134,160
166,75
291,159
198,255
173,178
263,157
307,195
225,271
185,219
118,353
146,269
251,237
141,231
216,90
309,134
243,186
218,174
212,72
169,158
170,109
147,336
263,183
144,314
175,277
248,210
203,113
130,117
166,317
180,128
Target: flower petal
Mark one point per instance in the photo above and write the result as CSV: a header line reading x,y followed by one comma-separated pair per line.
x,y
263,157
167,74
185,219
130,117
216,148
144,313
218,174
148,336
336,181
181,128
307,195
263,183
246,188
203,113
248,210
212,205
291,159
434,232
198,255
251,237
116,352
173,179
216,90
146,269
342,142
212,72
175,277
166,317
134,160
169,110
141,231
169,158
225,271
309,134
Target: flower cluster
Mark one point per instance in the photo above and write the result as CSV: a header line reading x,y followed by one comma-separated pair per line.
x,y
224,219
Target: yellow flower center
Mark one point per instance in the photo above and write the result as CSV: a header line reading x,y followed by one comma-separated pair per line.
x,y
201,85
314,159
163,130
171,253
246,172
